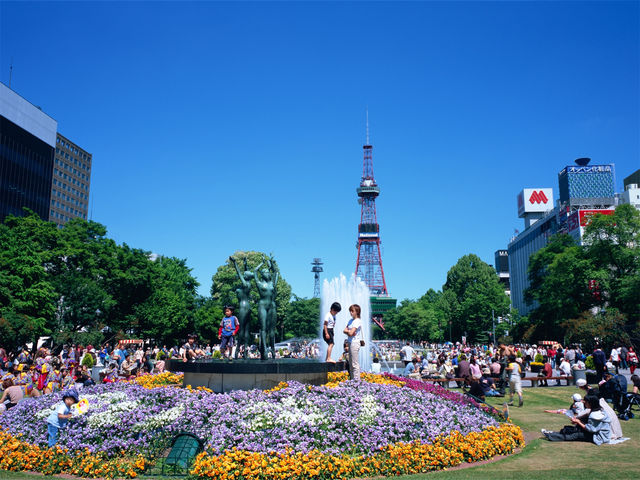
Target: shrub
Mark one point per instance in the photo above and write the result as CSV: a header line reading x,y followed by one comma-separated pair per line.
x,y
87,361
538,358
589,363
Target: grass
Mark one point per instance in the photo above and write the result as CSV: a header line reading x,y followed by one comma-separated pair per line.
x,y
545,460
540,459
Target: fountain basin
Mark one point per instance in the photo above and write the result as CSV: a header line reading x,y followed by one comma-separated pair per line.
x,y
224,376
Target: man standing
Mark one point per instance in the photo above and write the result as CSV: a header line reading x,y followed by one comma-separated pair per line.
x,y
599,360
615,358
408,352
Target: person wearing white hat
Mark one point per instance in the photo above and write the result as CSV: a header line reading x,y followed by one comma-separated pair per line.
x,y
616,428
596,427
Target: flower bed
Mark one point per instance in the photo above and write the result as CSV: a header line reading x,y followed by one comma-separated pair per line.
x,y
165,379
371,426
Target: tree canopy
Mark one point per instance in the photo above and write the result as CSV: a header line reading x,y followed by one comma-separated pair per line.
x,y
576,287
474,296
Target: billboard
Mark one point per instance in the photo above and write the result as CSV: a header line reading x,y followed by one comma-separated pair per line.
x,y
582,218
536,200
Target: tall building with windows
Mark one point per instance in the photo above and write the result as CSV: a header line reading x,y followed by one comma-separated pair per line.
x,y
585,190
27,143
39,168
71,182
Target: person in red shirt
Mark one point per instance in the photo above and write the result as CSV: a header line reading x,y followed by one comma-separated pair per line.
x,y
546,372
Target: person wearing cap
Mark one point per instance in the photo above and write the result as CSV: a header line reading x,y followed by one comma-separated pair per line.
x,y
596,428
576,408
616,428
60,416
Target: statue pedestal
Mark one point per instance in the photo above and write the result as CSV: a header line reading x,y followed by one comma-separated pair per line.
x,y
224,376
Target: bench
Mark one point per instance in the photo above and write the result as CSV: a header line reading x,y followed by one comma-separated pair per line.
x,y
535,381
444,381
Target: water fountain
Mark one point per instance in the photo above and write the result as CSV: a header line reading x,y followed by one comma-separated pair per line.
x,y
347,292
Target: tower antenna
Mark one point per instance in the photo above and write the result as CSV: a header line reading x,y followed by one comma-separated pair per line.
x,y
368,125
316,269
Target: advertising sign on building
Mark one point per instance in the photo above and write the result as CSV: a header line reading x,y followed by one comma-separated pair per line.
x,y
587,215
536,200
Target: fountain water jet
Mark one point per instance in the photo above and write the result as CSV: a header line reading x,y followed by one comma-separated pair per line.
x,y
353,291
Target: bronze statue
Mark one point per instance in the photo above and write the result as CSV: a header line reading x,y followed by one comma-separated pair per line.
x,y
267,307
244,307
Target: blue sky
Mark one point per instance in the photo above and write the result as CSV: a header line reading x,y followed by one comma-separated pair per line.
x,y
217,127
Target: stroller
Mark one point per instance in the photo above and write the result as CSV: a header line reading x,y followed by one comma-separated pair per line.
x,y
630,403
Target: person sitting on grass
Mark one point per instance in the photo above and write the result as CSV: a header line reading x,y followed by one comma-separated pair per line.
x,y
11,395
616,428
488,385
60,416
575,410
475,389
597,428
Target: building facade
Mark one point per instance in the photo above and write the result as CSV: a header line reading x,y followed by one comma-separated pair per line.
x,y
71,182
502,269
27,143
584,191
40,169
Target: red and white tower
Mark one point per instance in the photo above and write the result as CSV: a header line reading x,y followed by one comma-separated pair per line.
x,y
369,263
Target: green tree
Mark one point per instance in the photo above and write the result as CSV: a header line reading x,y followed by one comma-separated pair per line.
x,y
168,312
207,316
473,293
27,296
225,282
420,320
559,276
303,318
78,273
613,245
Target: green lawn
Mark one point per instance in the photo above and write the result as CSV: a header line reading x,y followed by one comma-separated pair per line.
x,y
540,459
545,460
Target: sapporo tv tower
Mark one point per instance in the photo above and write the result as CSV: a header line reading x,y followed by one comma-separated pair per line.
x,y
369,262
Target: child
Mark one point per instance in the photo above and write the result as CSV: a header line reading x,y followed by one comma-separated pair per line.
x,y
229,327
59,418
575,410
329,324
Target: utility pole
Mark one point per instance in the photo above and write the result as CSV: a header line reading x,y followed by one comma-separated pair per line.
x,y
493,324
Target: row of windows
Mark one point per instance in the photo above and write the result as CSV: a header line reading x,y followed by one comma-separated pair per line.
x,y
66,208
66,197
73,160
63,217
68,178
66,187
73,149
71,169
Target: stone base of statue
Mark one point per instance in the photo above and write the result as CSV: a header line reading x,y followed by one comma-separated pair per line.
x,y
223,376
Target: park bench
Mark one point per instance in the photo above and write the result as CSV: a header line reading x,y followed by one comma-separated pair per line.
x,y
535,381
444,381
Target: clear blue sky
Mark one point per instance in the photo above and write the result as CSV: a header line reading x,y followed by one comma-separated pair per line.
x,y
218,127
